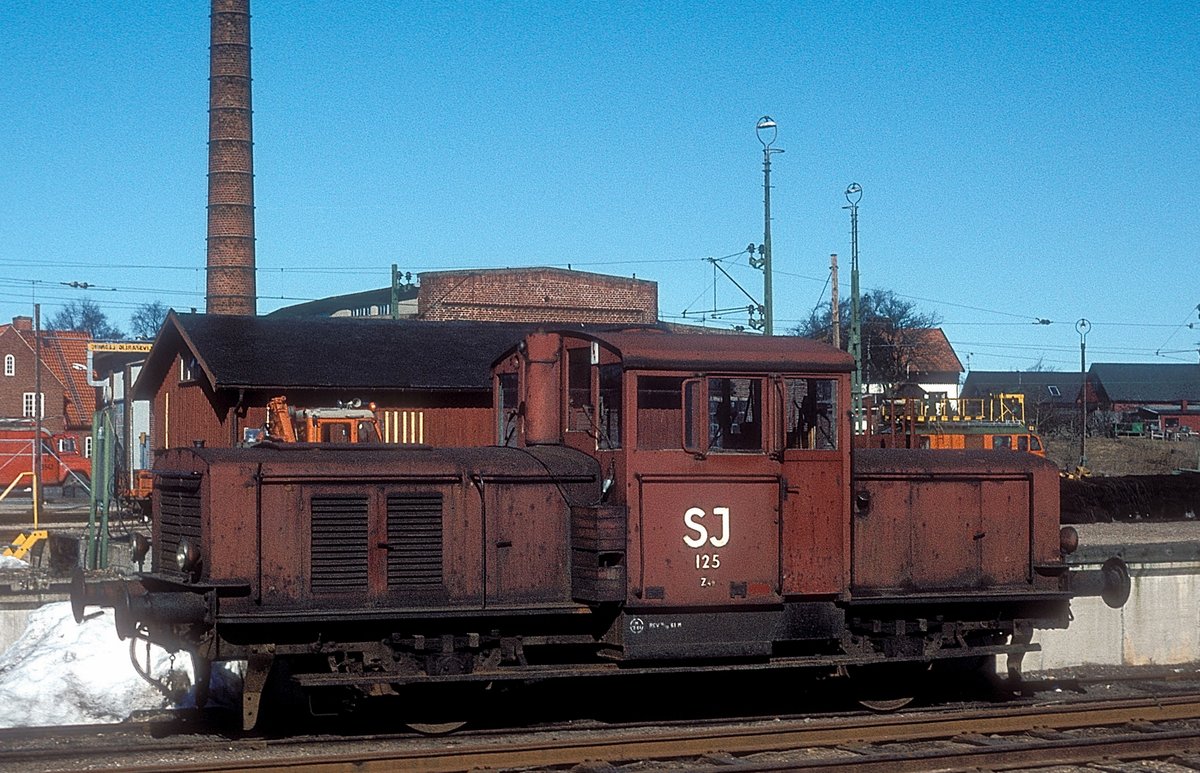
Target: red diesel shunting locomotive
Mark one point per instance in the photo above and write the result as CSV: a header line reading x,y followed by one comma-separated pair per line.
x,y
655,499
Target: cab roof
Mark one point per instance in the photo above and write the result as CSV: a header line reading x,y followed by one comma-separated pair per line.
x,y
653,350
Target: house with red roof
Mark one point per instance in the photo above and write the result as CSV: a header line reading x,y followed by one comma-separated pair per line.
x,y
924,364
67,402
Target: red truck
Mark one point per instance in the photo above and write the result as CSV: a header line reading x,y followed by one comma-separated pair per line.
x,y
63,463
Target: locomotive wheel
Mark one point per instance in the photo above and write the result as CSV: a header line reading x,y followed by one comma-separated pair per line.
x,y
886,688
435,728
886,705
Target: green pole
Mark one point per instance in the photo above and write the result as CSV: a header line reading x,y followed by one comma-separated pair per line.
x,y
105,485
89,555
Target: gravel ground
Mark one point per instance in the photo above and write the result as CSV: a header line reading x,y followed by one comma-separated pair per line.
x,y
1137,533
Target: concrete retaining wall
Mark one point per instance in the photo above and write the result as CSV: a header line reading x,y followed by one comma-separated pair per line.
x,y
1159,625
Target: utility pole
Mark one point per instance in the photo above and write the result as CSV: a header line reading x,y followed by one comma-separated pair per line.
x,y
835,315
853,196
37,412
395,309
1083,326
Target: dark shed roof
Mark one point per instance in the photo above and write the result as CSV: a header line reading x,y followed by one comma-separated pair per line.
x,y
1147,382
343,353
1038,386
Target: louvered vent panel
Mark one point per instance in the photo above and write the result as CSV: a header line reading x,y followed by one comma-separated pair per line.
x,y
339,544
414,541
178,517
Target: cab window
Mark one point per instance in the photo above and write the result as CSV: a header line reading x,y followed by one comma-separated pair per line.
x,y
811,408
335,432
579,391
1002,442
659,412
509,410
735,414
609,426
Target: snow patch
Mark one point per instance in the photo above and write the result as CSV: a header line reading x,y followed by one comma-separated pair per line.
x,y
60,672
12,562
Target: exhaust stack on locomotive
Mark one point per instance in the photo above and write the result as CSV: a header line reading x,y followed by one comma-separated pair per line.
x,y
653,500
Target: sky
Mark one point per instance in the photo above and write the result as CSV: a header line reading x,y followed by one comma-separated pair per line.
x,y
1019,161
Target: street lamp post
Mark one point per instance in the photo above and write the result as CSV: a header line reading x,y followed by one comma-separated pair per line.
x,y
767,130
853,196
1083,326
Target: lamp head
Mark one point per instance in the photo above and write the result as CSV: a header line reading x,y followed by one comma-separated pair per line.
x,y
767,130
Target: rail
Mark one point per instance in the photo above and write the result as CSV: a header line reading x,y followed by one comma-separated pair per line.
x,y
1005,738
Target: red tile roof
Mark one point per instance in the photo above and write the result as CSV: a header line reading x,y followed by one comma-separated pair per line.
x,y
932,352
61,350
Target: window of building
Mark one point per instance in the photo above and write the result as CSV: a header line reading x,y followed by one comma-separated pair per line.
x,y
87,446
1054,391
28,402
10,365
811,413
189,368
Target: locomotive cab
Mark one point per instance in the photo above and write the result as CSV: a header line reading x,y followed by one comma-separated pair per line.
x,y
727,459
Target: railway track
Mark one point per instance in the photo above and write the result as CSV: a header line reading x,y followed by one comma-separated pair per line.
x,y
994,738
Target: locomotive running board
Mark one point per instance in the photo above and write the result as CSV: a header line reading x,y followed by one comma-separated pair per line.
x,y
537,673
962,597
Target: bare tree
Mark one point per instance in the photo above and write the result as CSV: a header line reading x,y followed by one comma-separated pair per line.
x,y
85,316
893,331
147,319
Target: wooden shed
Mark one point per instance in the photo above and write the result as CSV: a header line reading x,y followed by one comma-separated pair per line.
x,y
209,378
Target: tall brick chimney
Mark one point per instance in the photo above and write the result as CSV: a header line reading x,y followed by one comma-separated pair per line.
x,y
231,281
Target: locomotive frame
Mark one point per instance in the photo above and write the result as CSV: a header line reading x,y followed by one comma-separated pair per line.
x,y
655,502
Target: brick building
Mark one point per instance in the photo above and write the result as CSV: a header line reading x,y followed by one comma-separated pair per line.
x,y
67,401
536,295
499,295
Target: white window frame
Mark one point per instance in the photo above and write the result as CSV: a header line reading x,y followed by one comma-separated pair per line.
x,y
189,368
28,401
87,446
10,365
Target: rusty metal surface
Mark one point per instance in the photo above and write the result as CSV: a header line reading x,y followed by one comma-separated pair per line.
x,y
942,521
708,540
309,527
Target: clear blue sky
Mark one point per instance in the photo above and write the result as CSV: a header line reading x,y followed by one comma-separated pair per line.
x,y
1019,161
